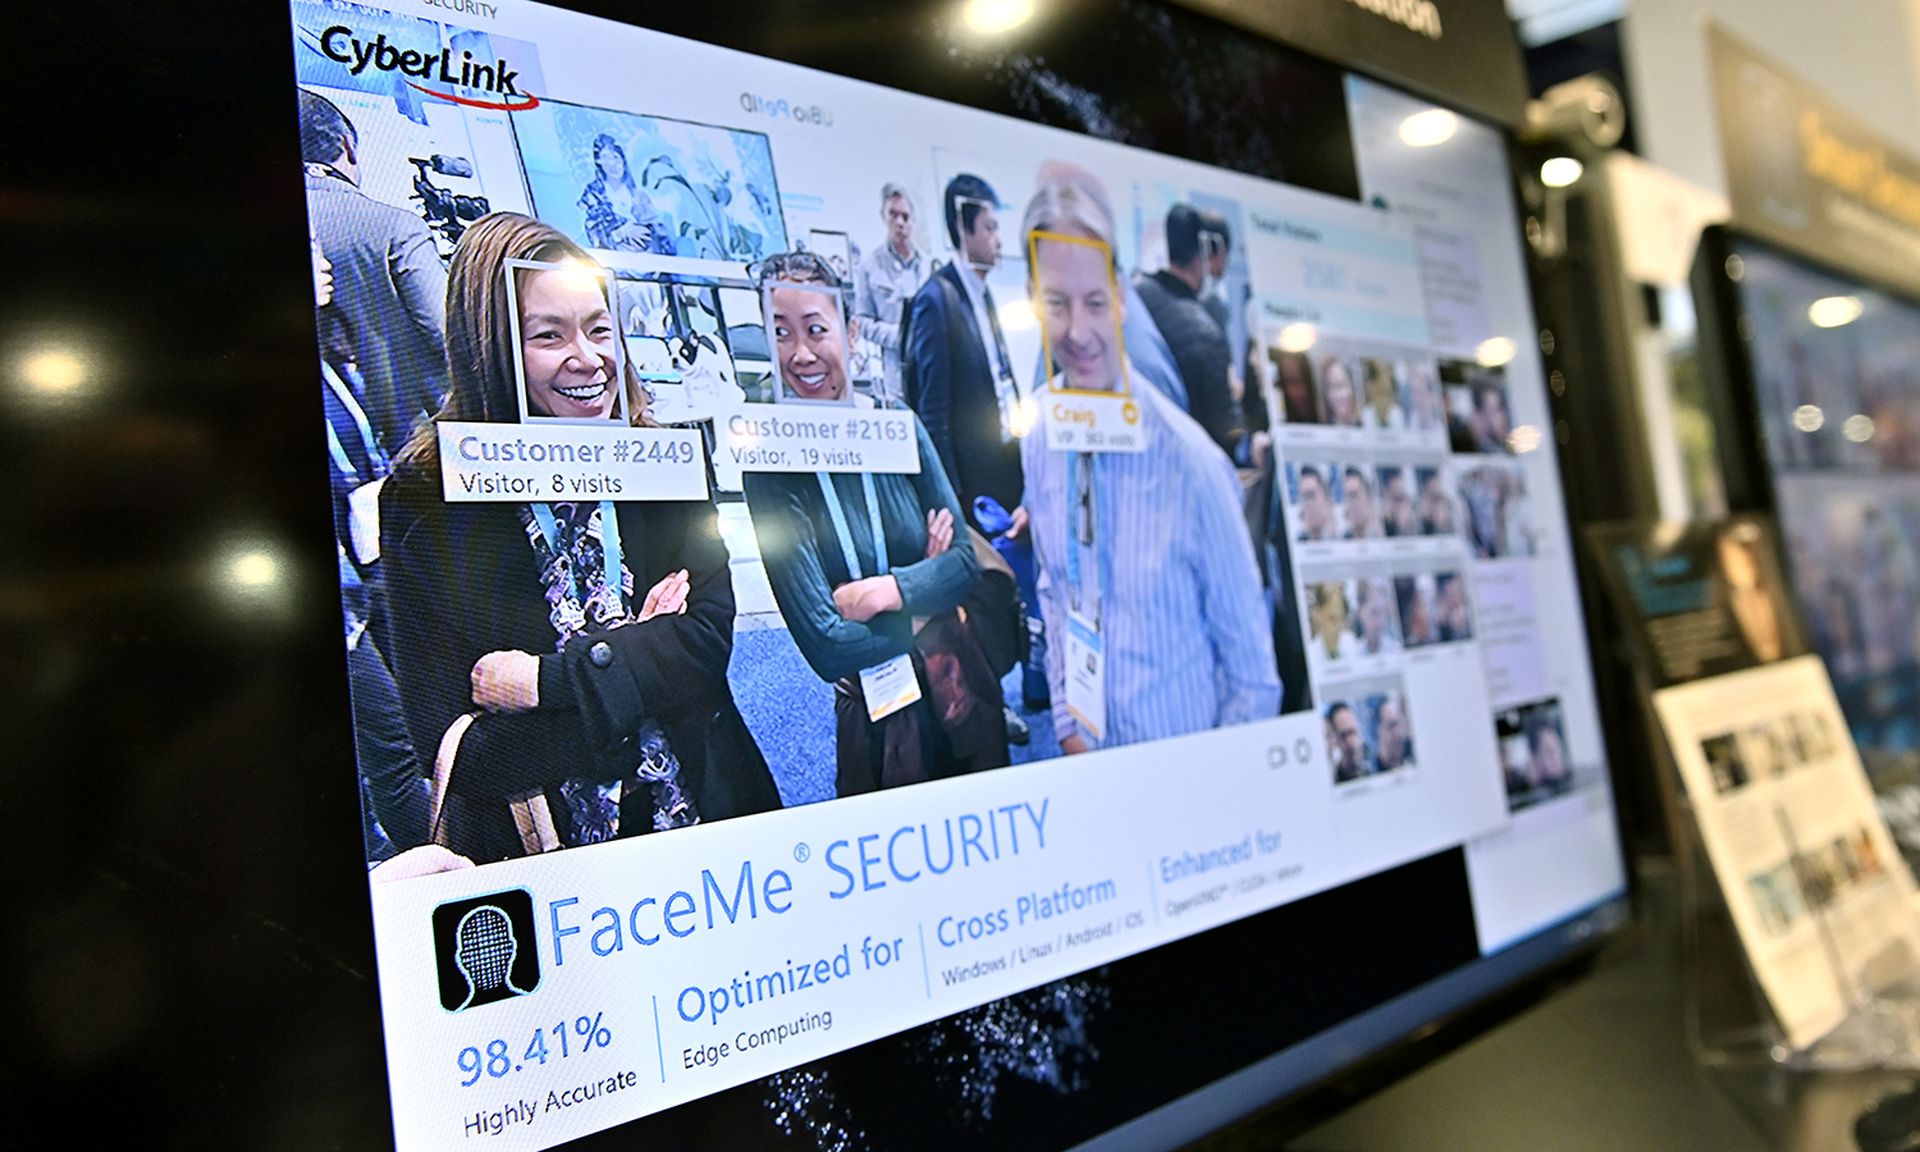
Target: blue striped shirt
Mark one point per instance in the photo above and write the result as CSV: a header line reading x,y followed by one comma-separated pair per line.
x,y
1184,623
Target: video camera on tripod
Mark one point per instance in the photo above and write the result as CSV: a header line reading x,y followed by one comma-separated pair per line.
x,y
445,211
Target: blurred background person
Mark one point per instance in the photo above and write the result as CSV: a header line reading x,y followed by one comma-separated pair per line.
x,y
1436,506
1382,406
1451,619
1397,517
1425,411
885,282
1490,423
1217,242
1316,505
568,660
1199,343
1547,755
1417,625
1328,618
1363,519
383,328
1373,622
1346,744
1298,403
1338,402
1393,742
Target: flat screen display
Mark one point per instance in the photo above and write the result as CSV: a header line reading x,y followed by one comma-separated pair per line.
x,y
878,622
1832,368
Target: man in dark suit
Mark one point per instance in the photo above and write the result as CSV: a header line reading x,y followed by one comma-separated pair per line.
x,y
388,313
1172,297
959,378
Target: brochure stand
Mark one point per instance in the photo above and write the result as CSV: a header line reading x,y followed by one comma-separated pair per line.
x,y
1730,1025
1802,948
1728,1021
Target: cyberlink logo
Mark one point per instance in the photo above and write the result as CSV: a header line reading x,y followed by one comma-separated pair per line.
x,y
339,44
485,949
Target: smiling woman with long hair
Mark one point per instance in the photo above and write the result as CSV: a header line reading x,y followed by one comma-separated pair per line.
x,y
566,709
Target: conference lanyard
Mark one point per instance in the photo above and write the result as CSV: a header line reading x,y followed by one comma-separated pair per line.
x,y
840,524
1083,536
358,415
609,548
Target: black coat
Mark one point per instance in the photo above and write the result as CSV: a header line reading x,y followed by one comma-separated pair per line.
x,y
949,380
462,582
1200,351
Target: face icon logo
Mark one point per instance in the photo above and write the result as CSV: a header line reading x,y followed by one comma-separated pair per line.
x,y
485,949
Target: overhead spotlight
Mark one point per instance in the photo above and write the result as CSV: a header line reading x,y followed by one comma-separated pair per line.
x,y
1809,418
1857,428
992,17
1016,315
1560,171
255,568
1297,337
1834,311
1429,128
1495,352
54,372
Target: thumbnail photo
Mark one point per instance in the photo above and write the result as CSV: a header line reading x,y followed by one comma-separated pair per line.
x,y
1726,762
1768,752
1499,516
1434,503
1820,876
1479,416
1369,732
1328,500
1533,753
1433,608
1354,385
1313,501
1776,897
1294,382
623,182
1348,619
1399,515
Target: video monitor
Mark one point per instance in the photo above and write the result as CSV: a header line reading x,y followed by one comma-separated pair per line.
x,y
875,621
1820,369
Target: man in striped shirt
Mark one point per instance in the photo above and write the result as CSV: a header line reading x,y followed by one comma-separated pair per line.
x,y
1163,564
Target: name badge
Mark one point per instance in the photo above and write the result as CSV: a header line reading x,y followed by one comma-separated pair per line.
x,y
363,522
1008,395
1086,675
889,686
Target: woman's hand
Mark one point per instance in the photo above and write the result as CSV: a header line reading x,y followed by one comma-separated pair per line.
x,y
1075,744
507,682
862,600
667,598
939,532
